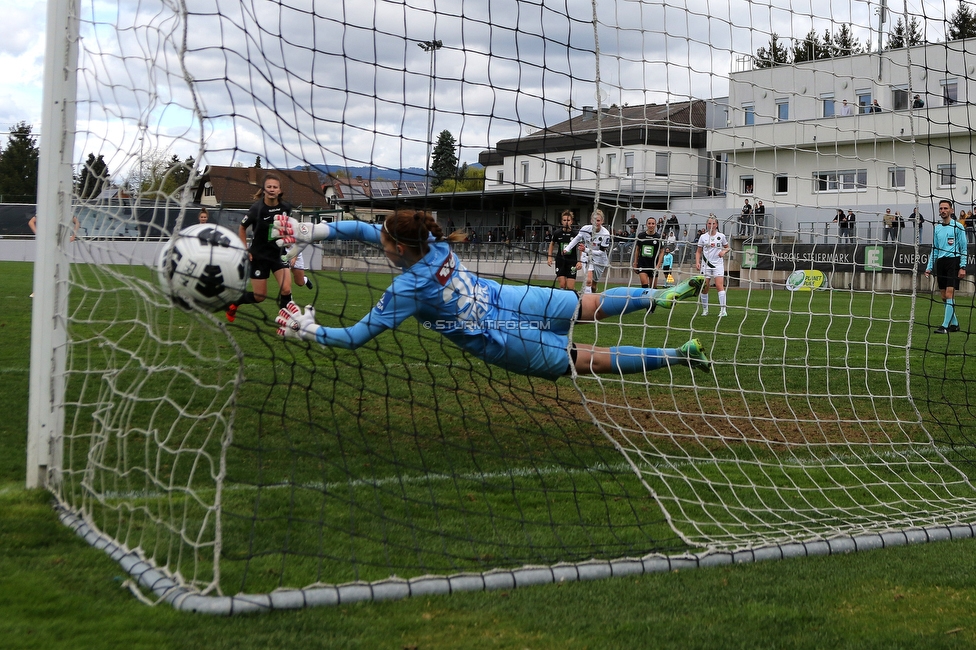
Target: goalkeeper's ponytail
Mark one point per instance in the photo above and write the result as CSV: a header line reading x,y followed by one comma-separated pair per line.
x,y
415,229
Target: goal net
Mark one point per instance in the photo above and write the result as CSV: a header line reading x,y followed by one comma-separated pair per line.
x,y
229,469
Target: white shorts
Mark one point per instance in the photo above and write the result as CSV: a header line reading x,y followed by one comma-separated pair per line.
x,y
597,270
717,271
299,262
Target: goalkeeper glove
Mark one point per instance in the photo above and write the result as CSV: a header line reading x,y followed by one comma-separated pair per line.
x,y
297,234
293,324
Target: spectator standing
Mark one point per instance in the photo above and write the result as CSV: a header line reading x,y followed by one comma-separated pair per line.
x,y
673,227
851,227
888,226
745,219
917,102
898,225
846,109
918,220
759,216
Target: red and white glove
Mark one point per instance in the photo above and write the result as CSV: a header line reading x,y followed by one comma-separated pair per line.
x,y
293,324
295,235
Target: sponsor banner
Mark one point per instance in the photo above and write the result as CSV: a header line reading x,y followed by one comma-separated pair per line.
x,y
841,258
807,280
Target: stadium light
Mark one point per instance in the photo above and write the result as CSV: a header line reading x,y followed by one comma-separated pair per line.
x,y
432,47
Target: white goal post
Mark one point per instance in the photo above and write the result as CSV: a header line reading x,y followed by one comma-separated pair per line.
x,y
55,181
813,400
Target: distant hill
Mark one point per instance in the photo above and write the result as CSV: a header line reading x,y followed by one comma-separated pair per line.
x,y
379,173
375,173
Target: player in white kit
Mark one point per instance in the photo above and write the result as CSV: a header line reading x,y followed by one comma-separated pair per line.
x,y
710,260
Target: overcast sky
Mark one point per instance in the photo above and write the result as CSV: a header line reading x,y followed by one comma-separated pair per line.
x,y
344,81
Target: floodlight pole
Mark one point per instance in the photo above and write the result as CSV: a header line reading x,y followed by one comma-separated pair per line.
x,y
45,420
432,47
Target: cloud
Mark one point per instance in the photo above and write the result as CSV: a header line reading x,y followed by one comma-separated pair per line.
x,y
344,82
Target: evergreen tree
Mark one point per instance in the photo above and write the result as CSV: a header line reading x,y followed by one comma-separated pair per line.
x,y
961,24
444,161
775,54
843,43
18,166
93,177
902,37
810,48
257,162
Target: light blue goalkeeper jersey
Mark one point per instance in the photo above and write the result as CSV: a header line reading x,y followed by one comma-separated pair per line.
x,y
948,241
517,327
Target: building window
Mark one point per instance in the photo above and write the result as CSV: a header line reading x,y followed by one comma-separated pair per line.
x,y
525,173
781,184
950,92
863,101
896,178
899,98
662,163
947,175
500,178
611,164
577,168
561,167
629,163
750,114
827,101
748,184
848,180
782,109
208,189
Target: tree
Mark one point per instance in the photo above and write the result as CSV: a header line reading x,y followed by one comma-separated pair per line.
x,y
961,24
18,165
159,176
843,42
93,177
470,180
775,54
810,48
257,162
900,37
444,161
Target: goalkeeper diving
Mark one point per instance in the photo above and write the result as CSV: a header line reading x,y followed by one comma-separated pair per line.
x,y
523,329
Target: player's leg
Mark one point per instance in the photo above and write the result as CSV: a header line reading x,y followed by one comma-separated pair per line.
x,y
624,300
704,292
283,276
720,289
628,359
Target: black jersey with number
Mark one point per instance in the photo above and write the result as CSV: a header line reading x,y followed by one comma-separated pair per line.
x,y
559,240
259,219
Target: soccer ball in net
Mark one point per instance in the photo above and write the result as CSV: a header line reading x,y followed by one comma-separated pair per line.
x,y
204,265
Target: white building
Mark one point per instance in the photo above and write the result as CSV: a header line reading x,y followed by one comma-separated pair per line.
x,y
787,141
635,157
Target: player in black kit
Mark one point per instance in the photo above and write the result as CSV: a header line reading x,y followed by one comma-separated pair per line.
x,y
566,263
264,252
646,253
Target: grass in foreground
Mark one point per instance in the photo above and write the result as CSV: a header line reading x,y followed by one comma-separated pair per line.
x,y
57,591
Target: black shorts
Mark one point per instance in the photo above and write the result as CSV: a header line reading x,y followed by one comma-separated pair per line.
x,y
650,272
565,268
263,267
947,272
